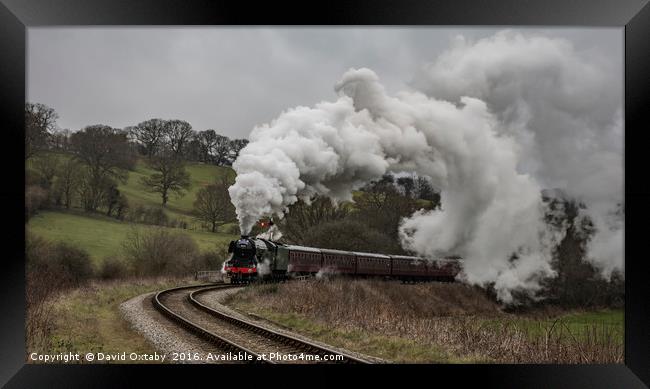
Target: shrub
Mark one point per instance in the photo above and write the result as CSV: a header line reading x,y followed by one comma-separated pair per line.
x,y
134,214
67,265
51,268
32,176
122,207
156,252
74,262
35,200
113,268
232,229
211,260
155,216
147,215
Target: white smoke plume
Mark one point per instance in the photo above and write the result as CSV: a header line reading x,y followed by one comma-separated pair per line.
x,y
488,155
273,233
325,273
264,268
563,108
490,210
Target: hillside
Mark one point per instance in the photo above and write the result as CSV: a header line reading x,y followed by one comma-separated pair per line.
x,y
83,229
177,207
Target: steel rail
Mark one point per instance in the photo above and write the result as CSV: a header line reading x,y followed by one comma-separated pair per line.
x,y
221,342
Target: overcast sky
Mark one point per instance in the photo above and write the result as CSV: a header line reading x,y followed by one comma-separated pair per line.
x,y
231,79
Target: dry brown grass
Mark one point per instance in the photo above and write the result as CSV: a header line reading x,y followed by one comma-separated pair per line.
x,y
86,318
40,298
456,318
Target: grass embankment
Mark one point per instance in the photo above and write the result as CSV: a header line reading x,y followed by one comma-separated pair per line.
x,y
433,323
102,236
87,319
578,324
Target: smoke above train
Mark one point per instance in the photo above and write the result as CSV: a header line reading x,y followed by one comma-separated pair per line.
x,y
492,123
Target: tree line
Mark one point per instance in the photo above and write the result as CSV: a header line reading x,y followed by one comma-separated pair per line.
x,y
370,224
149,138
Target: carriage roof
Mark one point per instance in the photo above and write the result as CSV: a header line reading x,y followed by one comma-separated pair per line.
x,y
302,248
331,251
372,255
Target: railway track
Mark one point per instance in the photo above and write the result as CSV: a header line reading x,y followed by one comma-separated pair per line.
x,y
231,334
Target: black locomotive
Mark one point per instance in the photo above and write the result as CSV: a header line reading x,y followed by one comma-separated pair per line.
x,y
255,258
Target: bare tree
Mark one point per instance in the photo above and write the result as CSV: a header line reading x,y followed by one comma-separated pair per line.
x,y
178,134
170,176
382,206
193,150
47,165
236,145
425,191
106,154
302,217
213,206
115,201
150,134
60,139
221,150
40,121
408,184
214,147
207,139
104,150
92,190
68,177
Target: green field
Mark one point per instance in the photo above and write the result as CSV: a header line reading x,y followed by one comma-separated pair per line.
x,y
177,207
102,236
571,324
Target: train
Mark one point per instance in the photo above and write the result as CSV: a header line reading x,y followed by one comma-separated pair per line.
x,y
256,259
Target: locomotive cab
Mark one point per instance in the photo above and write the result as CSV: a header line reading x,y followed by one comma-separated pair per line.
x,y
241,266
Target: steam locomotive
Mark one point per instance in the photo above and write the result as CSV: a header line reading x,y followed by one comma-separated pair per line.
x,y
262,259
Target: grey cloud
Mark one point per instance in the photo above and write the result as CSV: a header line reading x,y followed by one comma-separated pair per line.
x,y
229,79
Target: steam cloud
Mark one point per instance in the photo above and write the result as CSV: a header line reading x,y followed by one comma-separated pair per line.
x,y
496,121
563,109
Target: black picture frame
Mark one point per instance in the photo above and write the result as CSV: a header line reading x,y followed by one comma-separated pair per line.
x,y
633,15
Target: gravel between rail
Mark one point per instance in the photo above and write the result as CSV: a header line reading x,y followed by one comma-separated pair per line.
x,y
164,335
168,337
